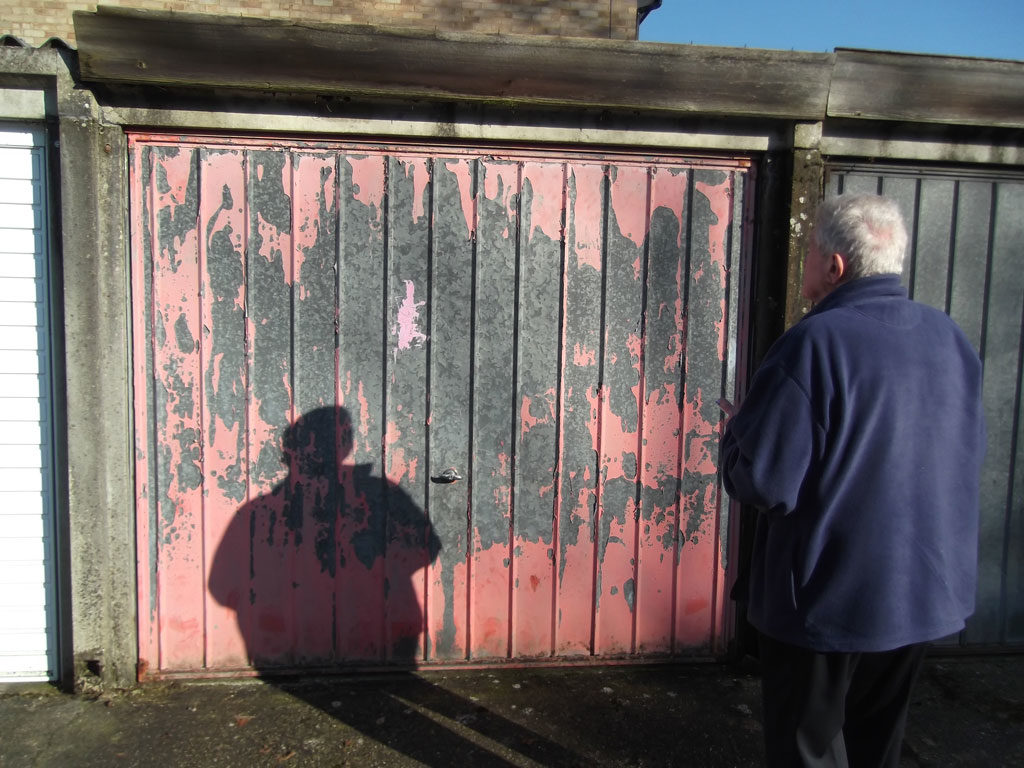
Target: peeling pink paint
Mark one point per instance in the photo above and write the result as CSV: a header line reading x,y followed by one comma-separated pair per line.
x,y
628,189
587,214
575,598
699,457
274,244
462,170
406,326
489,598
677,343
528,420
176,169
720,199
417,168
614,621
399,467
668,190
314,189
364,413
502,496
368,181
548,184
635,345
582,357
436,606
655,577
391,435
675,592
616,443
662,424
595,398
532,599
179,575
220,172
697,556
638,267
501,180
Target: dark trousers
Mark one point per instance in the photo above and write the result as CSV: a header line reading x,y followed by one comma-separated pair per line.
x,y
835,710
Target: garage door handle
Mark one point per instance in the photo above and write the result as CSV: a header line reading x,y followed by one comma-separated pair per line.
x,y
448,476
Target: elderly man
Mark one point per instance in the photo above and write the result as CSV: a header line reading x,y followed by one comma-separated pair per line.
x,y
860,441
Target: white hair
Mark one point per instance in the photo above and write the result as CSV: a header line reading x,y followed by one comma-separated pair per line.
x,y
866,230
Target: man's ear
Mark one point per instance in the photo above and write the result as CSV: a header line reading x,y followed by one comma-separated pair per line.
x,y
836,268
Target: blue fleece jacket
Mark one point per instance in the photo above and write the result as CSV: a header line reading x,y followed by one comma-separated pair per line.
x,y
861,441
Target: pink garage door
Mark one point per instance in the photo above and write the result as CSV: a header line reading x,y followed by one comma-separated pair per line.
x,y
424,405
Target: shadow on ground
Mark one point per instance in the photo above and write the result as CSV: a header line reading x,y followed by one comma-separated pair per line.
x,y
967,712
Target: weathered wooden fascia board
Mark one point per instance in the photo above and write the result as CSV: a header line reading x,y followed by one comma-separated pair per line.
x,y
117,45
924,88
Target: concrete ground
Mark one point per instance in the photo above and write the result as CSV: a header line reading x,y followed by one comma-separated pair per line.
x,y
966,712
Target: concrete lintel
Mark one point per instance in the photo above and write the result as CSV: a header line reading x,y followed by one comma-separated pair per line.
x,y
22,104
737,141
924,150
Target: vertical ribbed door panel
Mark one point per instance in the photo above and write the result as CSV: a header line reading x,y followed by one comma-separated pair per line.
x,y
413,405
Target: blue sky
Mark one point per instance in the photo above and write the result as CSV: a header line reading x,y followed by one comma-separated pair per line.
x,y
986,28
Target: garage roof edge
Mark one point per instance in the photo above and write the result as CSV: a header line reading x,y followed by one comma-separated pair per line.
x,y
196,50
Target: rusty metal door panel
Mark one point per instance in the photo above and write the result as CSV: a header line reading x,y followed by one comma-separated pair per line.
x,y
967,239
322,330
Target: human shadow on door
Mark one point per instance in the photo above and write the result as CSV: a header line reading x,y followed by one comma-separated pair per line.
x,y
326,573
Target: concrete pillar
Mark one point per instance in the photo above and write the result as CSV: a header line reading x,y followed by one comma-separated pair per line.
x,y
806,193
100,492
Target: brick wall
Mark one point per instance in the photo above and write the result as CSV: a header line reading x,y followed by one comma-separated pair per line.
x,y
35,21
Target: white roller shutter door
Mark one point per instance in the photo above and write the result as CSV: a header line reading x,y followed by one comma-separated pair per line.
x,y
28,636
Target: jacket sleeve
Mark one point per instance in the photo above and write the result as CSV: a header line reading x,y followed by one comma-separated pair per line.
x,y
768,446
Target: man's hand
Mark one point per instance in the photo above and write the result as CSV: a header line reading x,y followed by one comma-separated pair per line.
x,y
727,407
